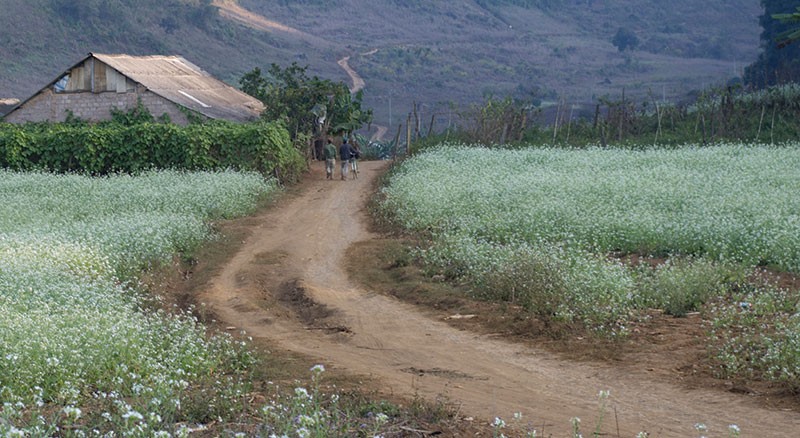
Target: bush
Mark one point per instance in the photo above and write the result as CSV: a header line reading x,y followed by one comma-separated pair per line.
x,y
110,148
683,286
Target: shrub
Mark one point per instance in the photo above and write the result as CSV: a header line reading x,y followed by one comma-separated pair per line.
x,y
680,286
108,148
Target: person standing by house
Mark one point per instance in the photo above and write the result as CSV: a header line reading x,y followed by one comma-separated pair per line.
x,y
345,152
330,159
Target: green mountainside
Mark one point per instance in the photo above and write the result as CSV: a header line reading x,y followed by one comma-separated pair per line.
x,y
434,52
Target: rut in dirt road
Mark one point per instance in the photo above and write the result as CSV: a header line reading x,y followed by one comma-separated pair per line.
x,y
295,258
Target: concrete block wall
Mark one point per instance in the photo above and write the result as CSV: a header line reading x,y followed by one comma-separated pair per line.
x,y
50,106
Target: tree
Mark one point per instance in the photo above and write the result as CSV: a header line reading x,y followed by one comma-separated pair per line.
x,y
625,39
793,34
308,105
779,62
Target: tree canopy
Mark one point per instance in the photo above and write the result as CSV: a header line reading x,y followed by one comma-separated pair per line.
x,y
625,39
792,34
779,61
307,105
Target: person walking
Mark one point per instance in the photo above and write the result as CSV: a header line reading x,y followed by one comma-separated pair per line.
x,y
330,159
345,152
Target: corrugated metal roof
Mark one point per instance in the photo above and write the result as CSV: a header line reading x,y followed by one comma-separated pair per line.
x,y
178,80
6,105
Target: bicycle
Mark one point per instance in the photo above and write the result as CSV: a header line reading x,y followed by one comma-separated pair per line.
x,y
354,167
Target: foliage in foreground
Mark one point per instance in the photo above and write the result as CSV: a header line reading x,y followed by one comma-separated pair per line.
x,y
547,229
75,335
313,413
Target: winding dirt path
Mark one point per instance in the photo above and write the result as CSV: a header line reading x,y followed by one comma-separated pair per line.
x,y
296,254
380,133
358,82
358,85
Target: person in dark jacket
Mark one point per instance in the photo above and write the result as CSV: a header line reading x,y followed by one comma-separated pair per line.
x,y
345,152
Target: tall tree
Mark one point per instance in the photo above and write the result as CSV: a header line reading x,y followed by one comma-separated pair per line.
x,y
307,104
778,63
625,39
794,33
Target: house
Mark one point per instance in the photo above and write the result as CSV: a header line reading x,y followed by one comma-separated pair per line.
x,y
168,85
7,105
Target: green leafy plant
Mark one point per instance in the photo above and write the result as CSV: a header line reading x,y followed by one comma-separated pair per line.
x,y
116,147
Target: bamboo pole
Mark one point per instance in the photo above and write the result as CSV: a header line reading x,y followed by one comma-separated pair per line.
x,y
772,129
408,136
569,121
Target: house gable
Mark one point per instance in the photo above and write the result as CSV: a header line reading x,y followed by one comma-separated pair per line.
x,y
164,84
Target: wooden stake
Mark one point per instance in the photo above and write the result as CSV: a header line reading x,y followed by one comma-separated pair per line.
x,y
569,121
758,134
397,140
408,136
772,129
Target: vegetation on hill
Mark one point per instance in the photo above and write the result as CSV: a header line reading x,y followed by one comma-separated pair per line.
x,y
442,52
42,38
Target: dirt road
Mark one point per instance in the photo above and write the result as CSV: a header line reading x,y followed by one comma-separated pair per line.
x,y
294,259
230,9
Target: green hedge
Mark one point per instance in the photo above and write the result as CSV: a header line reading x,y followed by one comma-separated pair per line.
x,y
101,149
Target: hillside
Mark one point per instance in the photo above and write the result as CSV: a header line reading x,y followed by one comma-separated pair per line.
x,y
433,53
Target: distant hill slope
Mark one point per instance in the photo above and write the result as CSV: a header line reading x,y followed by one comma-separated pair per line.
x,y
431,52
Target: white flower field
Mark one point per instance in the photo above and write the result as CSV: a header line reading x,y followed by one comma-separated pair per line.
x,y
547,228
72,324
732,202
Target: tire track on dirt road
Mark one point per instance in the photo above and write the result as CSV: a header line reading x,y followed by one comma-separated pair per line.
x,y
298,250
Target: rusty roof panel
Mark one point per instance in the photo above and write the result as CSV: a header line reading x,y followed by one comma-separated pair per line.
x,y
186,84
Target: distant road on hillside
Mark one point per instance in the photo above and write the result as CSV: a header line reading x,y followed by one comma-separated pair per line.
x,y
231,10
358,82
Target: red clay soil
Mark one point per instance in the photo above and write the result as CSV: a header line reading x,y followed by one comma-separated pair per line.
x,y
288,284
